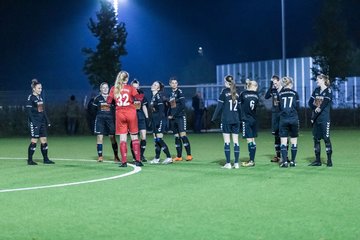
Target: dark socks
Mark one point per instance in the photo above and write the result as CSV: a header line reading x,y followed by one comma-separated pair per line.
x,y
186,143
142,147
252,150
236,152
99,148
284,153
178,145
31,150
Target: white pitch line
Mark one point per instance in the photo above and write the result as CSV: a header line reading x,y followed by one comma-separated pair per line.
x,y
135,170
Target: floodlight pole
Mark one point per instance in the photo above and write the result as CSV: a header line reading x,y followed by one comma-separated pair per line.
x,y
283,37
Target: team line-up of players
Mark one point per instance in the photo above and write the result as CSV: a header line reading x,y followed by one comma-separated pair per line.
x,y
237,110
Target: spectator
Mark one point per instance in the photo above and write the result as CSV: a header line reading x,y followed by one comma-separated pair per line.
x,y
72,113
199,107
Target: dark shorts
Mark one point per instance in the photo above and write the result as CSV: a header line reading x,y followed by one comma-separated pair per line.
x,y
249,129
289,128
178,124
158,126
230,128
275,119
321,130
142,124
38,130
104,125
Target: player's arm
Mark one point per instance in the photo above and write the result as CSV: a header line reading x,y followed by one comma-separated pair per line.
x,y
311,102
138,94
268,92
110,97
47,118
145,110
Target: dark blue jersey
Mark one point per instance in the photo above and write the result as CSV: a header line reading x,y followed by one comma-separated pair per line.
x,y
177,103
272,93
249,101
323,100
289,104
102,107
36,110
229,108
157,106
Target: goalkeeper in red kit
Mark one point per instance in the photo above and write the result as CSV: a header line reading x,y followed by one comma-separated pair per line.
x,y
125,115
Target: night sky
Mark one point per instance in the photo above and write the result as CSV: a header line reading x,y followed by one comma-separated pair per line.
x,y
44,38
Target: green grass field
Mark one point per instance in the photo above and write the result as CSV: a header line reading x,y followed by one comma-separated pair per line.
x,y
184,200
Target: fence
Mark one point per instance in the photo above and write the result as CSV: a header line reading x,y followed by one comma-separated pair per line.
x,y
346,108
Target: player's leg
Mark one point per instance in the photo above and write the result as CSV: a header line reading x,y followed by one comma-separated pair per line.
x,y
317,147
142,144
328,145
235,139
44,144
226,137
181,122
99,147
31,151
275,132
115,148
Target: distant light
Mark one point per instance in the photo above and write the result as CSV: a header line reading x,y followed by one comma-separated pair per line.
x,y
200,51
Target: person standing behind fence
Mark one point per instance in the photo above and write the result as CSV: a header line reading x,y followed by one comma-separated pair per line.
x,y
143,118
272,92
289,121
177,118
199,107
104,122
157,118
249,100
72,114
38,123
320,102
229,107
126,120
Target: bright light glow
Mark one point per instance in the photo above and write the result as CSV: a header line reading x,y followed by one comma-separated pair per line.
x,y
116,6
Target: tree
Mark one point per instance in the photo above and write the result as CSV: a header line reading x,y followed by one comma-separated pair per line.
x,y
332,51
103,63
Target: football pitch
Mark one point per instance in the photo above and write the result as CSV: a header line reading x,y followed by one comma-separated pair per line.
x,y
79,198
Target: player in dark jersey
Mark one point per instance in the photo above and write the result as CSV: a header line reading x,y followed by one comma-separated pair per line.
x,y
178,120
157,118
272,92
229,108
38,123
249,100
104,122
320,102
143,118
289,121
